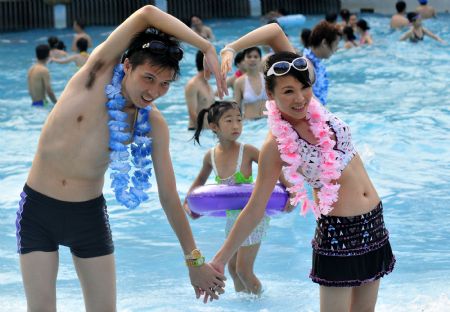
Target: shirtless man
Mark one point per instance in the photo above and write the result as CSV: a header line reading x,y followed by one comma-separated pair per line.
x,y
67,174
39,78
425,10
78,27
198,93
201,29
399,20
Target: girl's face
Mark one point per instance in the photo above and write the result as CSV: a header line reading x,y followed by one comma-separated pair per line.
x,y
229,126
291,96
329,49
352,20
252,59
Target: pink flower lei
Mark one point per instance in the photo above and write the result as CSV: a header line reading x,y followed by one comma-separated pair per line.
x,y
288,146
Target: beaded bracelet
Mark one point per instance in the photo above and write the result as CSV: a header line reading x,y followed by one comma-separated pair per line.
x,y
225,49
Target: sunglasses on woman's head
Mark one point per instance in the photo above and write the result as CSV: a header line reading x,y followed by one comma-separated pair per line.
x,y
159,47
283,67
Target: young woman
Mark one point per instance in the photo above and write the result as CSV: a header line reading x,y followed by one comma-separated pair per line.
x,y
349,38
249,90
351,250
362,28
231,162
418,32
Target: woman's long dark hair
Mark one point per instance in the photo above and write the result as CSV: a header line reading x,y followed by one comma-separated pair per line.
x,y
215,111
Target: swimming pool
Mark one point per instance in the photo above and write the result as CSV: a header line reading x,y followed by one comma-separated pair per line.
x,y
394,95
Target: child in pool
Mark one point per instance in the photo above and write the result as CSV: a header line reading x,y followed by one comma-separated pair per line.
x,y
232,164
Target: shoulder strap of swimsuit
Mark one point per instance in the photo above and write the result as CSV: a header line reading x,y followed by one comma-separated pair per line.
x,y
213,162
241,154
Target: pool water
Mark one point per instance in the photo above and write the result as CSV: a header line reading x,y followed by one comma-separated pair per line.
x,y
395,97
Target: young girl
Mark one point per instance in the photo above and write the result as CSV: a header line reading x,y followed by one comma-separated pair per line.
x,y
349,38
249,90
351,249
232,164
362,28
418,32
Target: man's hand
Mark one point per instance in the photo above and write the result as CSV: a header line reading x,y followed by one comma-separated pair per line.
x,y
207,281
211,65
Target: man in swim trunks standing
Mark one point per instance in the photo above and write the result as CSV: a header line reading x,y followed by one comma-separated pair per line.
x,y
62,202
39,78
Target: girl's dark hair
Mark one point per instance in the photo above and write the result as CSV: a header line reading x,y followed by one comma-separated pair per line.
x,y
412,16
345,15
305,35
251,49
348,31
52,41
324,30
215,111
302,76
138,55
363,24
238,58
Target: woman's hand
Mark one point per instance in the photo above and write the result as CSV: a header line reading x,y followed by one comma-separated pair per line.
x,y
207,281
227,57
211,65
219,267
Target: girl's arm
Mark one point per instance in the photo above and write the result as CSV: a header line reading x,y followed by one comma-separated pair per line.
x,y
66,60
238,91
430,34
406,35
270,34
204,277
199,181
369,40
268,173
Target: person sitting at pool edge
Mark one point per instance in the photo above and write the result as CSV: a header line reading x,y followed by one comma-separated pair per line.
x,y
102,105
39,78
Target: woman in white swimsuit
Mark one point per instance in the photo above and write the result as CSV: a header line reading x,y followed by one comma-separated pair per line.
x,y
249,90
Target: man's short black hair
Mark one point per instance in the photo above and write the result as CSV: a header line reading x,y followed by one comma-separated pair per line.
x,y
52,42
82,44
400,6
137,54
42,52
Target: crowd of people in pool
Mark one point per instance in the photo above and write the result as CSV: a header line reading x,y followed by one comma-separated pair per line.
x,y
109,104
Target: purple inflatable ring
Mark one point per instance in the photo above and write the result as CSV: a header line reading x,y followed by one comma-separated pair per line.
x,y
215,199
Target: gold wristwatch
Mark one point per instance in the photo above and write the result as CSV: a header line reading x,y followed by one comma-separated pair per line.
x,y
194,258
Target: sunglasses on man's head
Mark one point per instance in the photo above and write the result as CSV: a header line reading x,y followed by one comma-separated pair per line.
x,y
283,67
159,47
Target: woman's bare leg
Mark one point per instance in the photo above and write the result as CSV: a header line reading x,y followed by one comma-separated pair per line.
x,y
238,285
246,256
364,297
335,299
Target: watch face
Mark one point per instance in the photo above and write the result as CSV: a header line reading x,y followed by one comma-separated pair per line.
x,y
195,254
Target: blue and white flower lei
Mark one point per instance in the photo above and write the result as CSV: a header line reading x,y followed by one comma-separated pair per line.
x,y
141,146
320,87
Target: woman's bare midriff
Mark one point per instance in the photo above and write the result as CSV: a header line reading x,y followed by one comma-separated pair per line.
x,y
357,195
254,110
